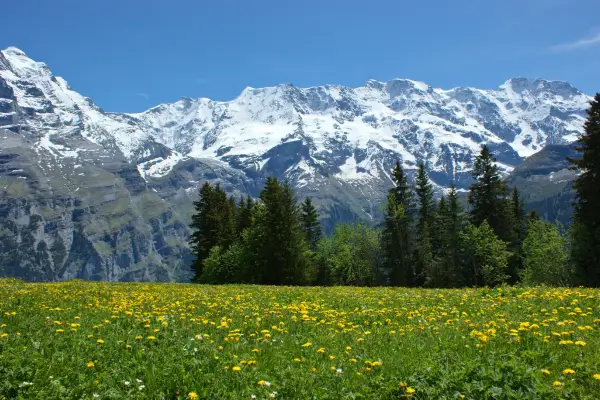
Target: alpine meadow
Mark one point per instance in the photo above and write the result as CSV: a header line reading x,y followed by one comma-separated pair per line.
x,y
256,203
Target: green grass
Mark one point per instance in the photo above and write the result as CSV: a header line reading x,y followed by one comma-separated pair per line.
x,y
79,340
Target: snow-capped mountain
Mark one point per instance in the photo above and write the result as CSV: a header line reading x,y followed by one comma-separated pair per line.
x,y
62,157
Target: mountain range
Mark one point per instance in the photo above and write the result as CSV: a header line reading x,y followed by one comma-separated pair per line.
x,y
108,196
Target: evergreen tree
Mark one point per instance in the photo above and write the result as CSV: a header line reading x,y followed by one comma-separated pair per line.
x,y
309,219
213,223
519,232
279,253
585,242
424,261
244,214
448,226
397,232
488,197
424,194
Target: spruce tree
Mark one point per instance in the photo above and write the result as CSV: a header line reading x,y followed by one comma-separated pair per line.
x,y
213,224
244,214
585,241
200,239
488,197
276,242
397,235
424,261
519,232
449,223
456,223
309,219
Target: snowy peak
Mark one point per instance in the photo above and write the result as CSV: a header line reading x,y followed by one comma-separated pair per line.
x,y
521,85
322,128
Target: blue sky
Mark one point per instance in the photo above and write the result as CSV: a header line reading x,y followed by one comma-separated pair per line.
x,y
129,55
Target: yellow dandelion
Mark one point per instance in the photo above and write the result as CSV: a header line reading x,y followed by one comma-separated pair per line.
x,y
90,364
557,384
236,368
568,371
545,372
100,341
193,396
596,377
410,390
151,338
308,344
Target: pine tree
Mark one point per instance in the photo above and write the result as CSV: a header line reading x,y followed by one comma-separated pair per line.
x,y
309,219
585,241
456,223
424,261
200,241
488,197
449,223
276,242
213,223
519,232
244,214
397,232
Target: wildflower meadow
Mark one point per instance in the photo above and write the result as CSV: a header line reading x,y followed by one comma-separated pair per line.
x,y
84,340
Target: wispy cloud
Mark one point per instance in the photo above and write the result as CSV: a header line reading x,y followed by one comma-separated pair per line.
x,y
201,80
579,44
144,95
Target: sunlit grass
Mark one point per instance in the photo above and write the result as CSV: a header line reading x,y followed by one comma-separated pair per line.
x,y
140,340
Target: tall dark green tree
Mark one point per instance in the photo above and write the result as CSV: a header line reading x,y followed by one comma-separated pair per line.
x,y
448,227
424,261
397,235
585,241
488,197
278,250
519,218
309,220
213,224
244,214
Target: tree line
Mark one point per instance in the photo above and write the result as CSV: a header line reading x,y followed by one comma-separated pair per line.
x,y
421,242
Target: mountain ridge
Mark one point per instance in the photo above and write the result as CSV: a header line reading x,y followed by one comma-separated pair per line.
x,y
334,143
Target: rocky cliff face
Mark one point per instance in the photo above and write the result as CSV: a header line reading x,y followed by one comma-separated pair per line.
x,y
97,195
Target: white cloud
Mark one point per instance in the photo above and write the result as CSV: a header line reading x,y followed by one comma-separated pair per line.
x,y
144,95
579,44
